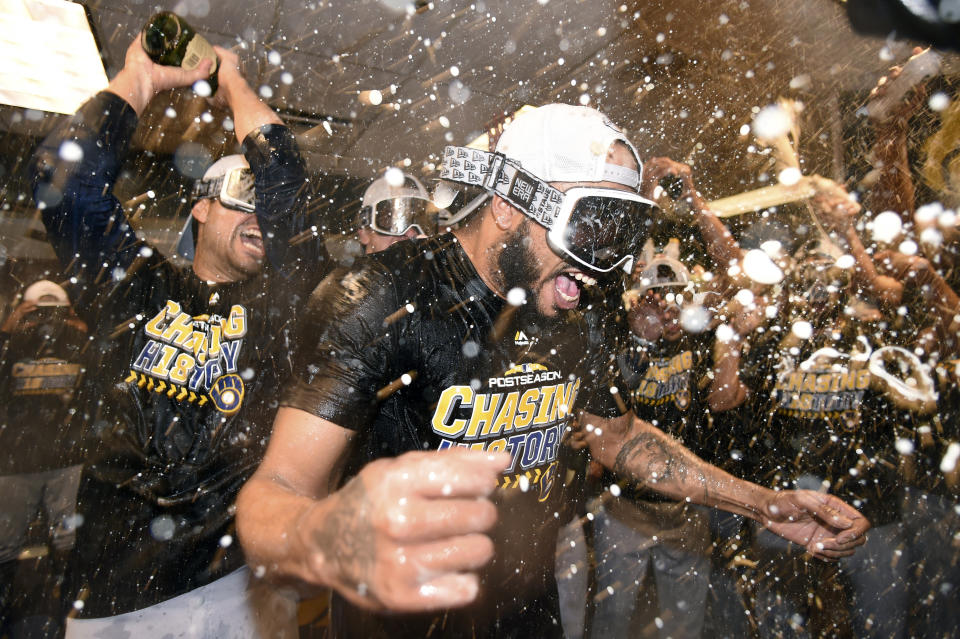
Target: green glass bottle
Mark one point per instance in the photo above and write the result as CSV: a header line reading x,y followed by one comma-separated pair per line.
x,y
169,40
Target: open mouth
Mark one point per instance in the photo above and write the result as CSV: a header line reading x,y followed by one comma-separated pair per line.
x,y
567,287
253,239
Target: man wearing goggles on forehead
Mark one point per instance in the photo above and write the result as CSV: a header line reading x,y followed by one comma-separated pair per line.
x,y
223,224
416,461
187,360
394,207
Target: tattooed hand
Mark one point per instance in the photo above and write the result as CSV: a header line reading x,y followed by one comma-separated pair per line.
x,y
407,534
826,526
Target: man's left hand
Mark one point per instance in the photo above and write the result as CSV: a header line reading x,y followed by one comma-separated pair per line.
x,y
826,526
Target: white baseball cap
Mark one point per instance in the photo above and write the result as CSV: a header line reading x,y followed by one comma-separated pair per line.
x,y
46,293
386,187
566,143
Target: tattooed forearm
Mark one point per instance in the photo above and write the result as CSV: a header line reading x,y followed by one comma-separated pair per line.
x,y
349,534
654,460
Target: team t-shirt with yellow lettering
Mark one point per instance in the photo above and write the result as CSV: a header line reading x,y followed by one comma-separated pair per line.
x,y
821,424
414,352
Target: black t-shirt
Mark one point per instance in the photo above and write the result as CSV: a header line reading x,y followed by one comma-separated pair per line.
x,y
667,386
40,370
414,352
667,383
820,422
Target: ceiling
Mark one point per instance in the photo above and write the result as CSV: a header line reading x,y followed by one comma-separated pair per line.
x,y
673,73
681,76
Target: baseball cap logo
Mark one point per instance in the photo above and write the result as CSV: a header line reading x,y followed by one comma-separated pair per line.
x,y
462,153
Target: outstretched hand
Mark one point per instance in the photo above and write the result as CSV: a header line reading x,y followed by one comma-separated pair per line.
x,y
407,533
826,526
228,77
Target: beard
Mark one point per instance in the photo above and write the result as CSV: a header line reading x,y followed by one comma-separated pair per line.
x,y
517,267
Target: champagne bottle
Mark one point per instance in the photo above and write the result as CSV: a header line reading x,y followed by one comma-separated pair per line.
x,y
169,40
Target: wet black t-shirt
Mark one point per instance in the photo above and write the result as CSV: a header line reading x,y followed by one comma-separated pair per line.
x,y
822,424
414,352
666,384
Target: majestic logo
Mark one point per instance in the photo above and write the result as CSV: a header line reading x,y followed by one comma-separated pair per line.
x,y
193,359
520,339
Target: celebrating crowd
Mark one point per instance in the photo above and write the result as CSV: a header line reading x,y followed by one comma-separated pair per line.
x,y
735,439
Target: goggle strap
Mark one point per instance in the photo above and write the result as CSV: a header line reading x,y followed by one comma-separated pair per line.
x,y
621,175
497,173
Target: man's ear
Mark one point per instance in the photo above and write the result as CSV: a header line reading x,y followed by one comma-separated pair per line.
x,y
201,210
505,214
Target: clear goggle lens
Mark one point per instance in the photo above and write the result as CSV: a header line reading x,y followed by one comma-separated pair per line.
x,y
398,215
234,190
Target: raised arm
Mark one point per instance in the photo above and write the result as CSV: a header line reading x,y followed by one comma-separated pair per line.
x,y
405,534
837,211
280,178
894,189
826,526
727,391
721,245
76,166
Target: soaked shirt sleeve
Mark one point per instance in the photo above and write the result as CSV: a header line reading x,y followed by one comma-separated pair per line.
x,y
349,347
73,172
293,247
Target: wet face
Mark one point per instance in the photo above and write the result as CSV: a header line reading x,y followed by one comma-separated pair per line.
x,y
374,242
655,316
818,286
552,283
229,242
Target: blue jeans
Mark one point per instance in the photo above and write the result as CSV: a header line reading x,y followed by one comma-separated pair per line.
x,y
679,554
